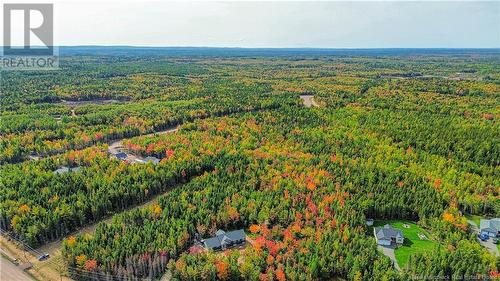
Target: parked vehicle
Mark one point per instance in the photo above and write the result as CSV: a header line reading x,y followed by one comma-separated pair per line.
x,y
483,237
495,240
43,257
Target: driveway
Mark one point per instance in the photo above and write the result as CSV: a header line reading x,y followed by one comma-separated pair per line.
x,y
389,252
492,248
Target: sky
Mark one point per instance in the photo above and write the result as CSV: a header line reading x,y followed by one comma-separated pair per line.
x,y
333,24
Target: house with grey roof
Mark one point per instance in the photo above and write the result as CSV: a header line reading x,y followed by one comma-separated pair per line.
x,y
146,160
388,235
224,240
64,169
490,227
151,159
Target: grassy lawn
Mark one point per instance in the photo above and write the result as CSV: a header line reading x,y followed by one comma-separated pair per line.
x,y
474,218
413,244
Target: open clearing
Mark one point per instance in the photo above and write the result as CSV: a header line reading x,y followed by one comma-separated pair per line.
x,y
309,101
413,243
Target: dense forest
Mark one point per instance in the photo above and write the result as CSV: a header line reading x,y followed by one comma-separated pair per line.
x,y
393,136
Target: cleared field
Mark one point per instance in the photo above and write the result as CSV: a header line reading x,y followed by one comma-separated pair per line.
x,y
413,243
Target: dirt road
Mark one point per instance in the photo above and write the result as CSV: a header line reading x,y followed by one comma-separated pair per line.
x,y
51,268
53,248
117,146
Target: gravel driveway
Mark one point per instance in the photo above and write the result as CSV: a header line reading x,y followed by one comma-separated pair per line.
x,y
389,252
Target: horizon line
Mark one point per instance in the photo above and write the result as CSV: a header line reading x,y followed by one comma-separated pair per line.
x,y
256,48
312,48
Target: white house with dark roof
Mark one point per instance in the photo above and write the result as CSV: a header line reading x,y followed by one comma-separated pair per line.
x,y
64,169
388,235
224,240
490,227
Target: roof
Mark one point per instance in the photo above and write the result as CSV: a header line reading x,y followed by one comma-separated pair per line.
x,y
492,225
211,243
121,155
222,238
387,232
64,169
154,160
236,235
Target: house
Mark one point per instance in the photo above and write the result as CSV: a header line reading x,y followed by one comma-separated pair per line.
x,y
369,222
490,227
146,160
388,235
121,155
153,160
63,170
224,240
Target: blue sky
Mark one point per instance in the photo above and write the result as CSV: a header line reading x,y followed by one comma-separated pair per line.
x,y
374,24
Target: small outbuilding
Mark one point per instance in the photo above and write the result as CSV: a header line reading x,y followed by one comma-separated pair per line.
x,y
388,235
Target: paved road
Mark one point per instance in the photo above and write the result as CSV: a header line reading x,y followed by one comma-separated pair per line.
x,y
10,271
389,252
